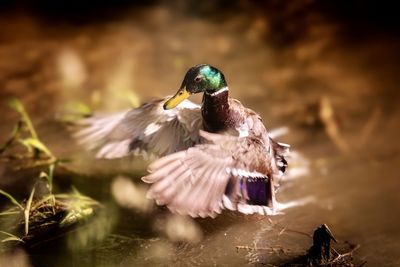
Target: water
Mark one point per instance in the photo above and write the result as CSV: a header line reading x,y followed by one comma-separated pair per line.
x,y
143,53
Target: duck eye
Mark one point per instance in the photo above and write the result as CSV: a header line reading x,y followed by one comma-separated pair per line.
x,y
198,79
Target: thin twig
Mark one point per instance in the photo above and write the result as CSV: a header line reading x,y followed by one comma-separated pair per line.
x,y
363,263
285,229
340,256
277,250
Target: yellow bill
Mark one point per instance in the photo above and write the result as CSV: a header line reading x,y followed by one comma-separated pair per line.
x,y
181,95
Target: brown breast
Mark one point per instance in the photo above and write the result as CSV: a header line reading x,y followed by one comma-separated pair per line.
x,y
221,113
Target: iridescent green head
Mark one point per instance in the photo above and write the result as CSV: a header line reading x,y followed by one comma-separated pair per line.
x,y
200,78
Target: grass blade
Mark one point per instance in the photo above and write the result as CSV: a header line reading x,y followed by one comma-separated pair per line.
x,y
6,213
51,176
17,105
11,198
14,136
33,142
11,237
27,210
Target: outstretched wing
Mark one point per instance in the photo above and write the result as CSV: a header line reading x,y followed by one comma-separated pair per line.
x,y
228,172
148,129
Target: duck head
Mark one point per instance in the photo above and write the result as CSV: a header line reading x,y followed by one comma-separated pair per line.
x,y
200,78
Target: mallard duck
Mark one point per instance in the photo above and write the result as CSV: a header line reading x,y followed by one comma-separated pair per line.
x,y
214,156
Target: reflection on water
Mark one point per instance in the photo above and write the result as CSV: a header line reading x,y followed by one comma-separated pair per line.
x,y
336,93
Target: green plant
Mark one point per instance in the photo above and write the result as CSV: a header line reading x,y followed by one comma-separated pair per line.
x,y
48,211
25,134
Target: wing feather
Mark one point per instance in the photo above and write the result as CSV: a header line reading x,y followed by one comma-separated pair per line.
x,y
190,189
148,129
208,177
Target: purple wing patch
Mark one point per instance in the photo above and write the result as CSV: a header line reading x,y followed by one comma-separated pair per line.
x,y
258,191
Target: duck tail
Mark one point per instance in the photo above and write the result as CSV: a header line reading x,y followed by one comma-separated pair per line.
x,y
281,152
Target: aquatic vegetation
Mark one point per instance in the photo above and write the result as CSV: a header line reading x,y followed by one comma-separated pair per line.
x,y
44,213
36,153
39,216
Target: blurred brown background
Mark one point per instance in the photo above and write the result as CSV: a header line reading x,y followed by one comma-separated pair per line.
x,y
326,69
